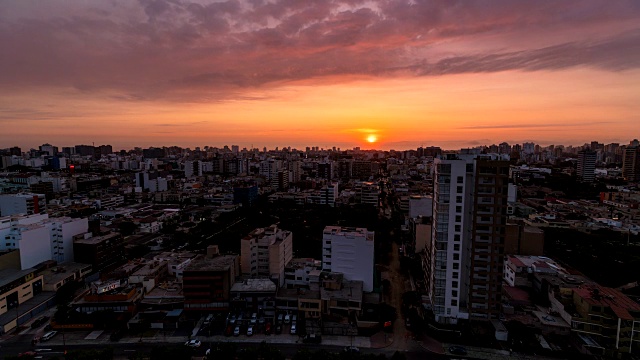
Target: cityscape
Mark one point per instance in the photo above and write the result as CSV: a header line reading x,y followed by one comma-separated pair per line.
x,y
481,252
319,180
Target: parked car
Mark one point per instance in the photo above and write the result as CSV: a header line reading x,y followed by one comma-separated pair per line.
x,y
352,349
287,319
250,331
312,339
294,318
236,331
48,335
280,317
232,319
293,329
279,329
193,343
457,350
267,329
261,321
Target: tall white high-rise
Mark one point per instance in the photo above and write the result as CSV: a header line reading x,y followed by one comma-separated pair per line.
x,y
464,259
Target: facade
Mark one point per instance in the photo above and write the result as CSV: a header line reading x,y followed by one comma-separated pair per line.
x,y
265,252
523,240
39,238
631,163
18,289
464,263
606,322
26,203
349,251
103,252
586,165
207,282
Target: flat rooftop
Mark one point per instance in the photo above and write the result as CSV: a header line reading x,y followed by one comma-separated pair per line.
x,y
97,239
351,290
298,293
8,276
60,272
254,285
218,263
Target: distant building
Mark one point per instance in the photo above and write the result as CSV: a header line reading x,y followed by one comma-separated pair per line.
x,y
245,194
631,163
265,252
103,252
21,297
586,170
207,282
349,251
25,203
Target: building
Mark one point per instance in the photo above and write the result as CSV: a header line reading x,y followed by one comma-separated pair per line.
x,y
39,238
103,252
207,282
349,251
631,163
265,252
255,295
523,240
586,165
25,203
464,263
605,321
114,295
21,297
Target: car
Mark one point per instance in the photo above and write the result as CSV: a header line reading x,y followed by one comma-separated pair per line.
x,y
280,316
267,329
236,331
312,339
250,331
457,350
261,321
287,319
228,331
48,335
294,318
293,329
232,319
352,350
193,343
279,329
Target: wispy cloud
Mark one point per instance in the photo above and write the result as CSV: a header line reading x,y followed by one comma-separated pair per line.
x,y
533,126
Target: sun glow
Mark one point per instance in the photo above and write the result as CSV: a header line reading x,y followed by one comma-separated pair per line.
x,y
372,138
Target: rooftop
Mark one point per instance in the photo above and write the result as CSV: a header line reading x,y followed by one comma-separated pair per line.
x,y
218,263
620,303
8,276
254,285
97,239
351,290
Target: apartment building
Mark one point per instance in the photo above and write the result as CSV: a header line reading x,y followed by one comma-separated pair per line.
x,y
349,251
266,252
207,282
464,263
25,203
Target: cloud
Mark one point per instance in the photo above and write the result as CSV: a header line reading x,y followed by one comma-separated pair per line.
x,y
188,51
532,126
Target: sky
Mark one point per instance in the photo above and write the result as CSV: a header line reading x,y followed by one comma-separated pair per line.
x,y
385,74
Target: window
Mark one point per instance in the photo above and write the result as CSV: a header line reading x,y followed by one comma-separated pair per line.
x,y
460,179
458,218
457,228
456,237
459,189
456,256
454,302
458,199
456,266
454,293
454,284
458,209
456,247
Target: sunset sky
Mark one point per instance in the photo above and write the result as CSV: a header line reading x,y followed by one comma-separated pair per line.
x,y
318,73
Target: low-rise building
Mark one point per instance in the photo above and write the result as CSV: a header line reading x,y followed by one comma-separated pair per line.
x,y
207,282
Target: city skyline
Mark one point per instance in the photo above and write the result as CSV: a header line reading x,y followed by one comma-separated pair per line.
x,y
374,74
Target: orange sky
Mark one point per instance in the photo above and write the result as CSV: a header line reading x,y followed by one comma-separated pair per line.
x,y
316,75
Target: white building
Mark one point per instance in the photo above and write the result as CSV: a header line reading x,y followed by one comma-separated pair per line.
x,y
349,251
39,238
25,203
265,252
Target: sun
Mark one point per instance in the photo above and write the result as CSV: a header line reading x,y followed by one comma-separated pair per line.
x,y
372,138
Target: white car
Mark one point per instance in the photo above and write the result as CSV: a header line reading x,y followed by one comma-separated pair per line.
x,y
193,343
293,329
48,335
287,319
250,331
